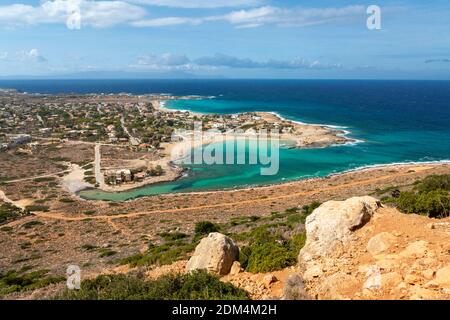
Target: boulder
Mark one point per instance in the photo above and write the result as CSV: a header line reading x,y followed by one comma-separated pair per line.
x,y
380,243
332,224
215,253
236,268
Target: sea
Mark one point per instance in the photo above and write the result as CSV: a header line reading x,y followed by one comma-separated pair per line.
x,y
392,121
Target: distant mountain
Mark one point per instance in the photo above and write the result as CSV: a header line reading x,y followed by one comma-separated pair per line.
x,y
88,75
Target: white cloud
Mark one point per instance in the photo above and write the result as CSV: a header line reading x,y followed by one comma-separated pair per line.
x,y
207,4
110,13
437,60
92,13
222,60
168,21
291,17
267,15
32,55
166,59
170,61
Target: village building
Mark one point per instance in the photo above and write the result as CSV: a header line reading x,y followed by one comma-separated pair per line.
x,y
18,139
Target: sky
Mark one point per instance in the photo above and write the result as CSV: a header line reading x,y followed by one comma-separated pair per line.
x,y
310,39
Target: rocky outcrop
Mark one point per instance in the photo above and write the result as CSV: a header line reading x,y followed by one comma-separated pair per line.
x,y
215,253
331,225
356,249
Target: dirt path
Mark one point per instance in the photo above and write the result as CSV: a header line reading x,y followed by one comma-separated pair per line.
x,y
97,167
61,216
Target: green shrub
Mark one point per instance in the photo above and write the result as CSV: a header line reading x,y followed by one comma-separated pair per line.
x,y
204,228
88,247
296,218
44,179
10,212
434,203
267,251
244,255
270,256
434,182
32,224
380,192
297,243
18,281
172,236
308,209
194,286
37,208
88,166
430,197
62,159
104,252
90,179
406,202
160,255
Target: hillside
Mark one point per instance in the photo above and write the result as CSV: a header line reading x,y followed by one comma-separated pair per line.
x,y
385,255
393,256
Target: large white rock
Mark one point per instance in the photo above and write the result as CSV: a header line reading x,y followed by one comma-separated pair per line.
x,y
215,253
332,224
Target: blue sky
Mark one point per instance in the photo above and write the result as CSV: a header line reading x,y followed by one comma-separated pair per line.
x,y
226,38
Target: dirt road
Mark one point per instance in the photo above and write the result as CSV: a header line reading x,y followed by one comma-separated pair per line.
x,y
97,167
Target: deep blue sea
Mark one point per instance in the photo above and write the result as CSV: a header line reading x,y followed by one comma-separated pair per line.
x,y
398,121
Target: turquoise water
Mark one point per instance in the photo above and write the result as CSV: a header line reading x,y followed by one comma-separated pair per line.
x,y
397,121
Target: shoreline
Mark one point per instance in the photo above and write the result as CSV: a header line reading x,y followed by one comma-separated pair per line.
x,y
159,104
303,136
359,170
